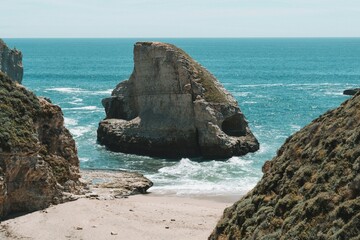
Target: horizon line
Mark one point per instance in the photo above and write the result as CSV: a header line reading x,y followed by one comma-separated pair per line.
x,y
273,37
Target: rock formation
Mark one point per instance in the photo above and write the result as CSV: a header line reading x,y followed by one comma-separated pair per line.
x,y
351,91
310,190
38,157
173,107
11,62
115,184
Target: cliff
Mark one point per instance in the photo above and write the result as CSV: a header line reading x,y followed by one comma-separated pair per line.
x,y
38,157
310,190
11,62
173,107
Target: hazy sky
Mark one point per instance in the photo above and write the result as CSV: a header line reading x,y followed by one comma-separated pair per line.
x,y
179,18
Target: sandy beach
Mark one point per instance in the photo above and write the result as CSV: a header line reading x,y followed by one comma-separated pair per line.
x,y
149,216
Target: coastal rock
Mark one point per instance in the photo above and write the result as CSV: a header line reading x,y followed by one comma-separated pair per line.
x,y
352,91
310,190
116,183
11,62
38,157
173,107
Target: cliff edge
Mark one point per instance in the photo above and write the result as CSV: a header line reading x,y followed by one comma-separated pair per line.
x,y
173,107
38,158
310,190
11,62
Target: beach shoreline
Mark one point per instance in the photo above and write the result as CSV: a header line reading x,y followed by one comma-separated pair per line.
x,y
100,213
147,216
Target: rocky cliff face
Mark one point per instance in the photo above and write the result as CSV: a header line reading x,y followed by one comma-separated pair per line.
x,y
38,157
173,107
11,62
310,190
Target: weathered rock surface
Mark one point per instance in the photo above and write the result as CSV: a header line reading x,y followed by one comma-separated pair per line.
x,y
352,91
173,107
38,157
114,184
310,190
11,62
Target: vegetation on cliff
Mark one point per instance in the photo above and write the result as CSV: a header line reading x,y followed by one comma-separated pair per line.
x,y
38,157
18,109
310,190
213,91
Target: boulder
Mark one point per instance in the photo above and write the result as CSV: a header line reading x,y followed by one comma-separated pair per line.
x,y
11,62
115,184
38,157
173,107
310,190
351,91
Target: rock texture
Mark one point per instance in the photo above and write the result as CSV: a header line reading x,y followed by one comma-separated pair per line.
x,y
351,91
310,190
115,184
11,62
38,157
173,107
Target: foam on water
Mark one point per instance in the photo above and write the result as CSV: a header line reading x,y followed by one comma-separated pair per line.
x,y
79,131
191,177
70,121
105,92
83,108
83,159
77,91
76,101
65,90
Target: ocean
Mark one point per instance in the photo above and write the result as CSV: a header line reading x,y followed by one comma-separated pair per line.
x,y
281,84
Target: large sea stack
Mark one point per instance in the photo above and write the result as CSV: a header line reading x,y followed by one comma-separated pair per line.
x,y
173,107
310,190
11,62
38,158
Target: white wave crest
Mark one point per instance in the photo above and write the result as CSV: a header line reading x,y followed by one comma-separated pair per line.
x,y
70,121
83,108
80,90
79,131
66,90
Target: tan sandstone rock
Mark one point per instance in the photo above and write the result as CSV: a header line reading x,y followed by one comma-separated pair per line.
x,y
173,107
38,157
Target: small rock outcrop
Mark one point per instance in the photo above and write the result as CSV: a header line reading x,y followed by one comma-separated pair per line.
x,y
38,157
11,62
310,190
115,184
351,91
173,107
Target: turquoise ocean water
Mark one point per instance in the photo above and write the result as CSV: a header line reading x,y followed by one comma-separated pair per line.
x,y
280,84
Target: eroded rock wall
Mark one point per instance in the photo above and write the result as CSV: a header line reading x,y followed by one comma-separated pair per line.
x,y
173,107
310,190
11,62
38,157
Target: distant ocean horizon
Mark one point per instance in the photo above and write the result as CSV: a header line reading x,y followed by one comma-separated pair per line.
x,y
281,85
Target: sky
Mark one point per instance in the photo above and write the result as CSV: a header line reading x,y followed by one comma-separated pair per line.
x,y
178,18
